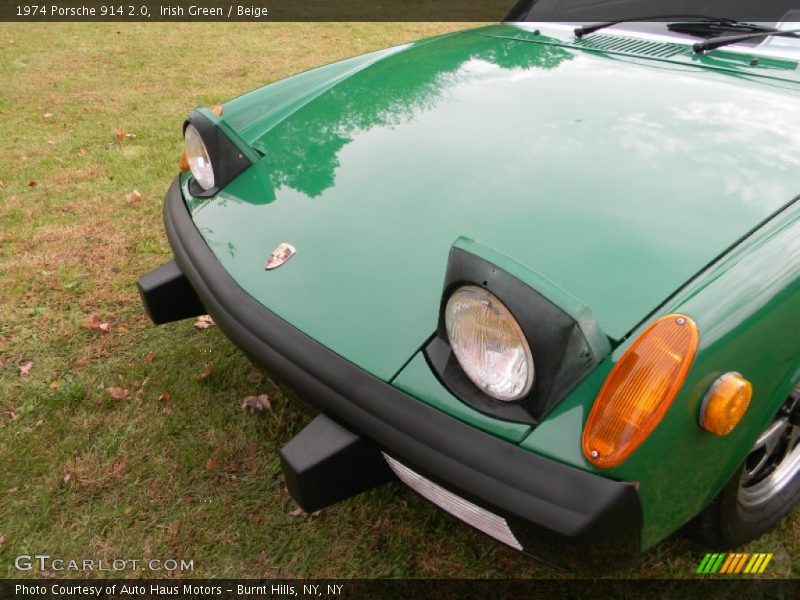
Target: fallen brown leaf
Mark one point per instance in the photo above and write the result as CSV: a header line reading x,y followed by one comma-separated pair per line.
x,y
119,393
33,183
149,357
204,322
255,520
120,133
54,384
256,403
94,322
134,196
118,467
211,464
165,396
25,368
203,375
83,151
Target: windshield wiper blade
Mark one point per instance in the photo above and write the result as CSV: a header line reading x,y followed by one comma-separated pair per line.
x,y
587,29
700,47
708,29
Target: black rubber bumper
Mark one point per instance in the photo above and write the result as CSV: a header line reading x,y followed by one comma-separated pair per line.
x,y
521,486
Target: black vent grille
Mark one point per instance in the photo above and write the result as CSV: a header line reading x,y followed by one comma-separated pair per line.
x,y
613,43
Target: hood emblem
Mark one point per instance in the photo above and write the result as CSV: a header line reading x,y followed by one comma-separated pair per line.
x,y
280,255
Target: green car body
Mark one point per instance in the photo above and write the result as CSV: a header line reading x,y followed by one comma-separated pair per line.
x,y
636,181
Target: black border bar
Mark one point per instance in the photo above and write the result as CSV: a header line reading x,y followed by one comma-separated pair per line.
x,y
580,11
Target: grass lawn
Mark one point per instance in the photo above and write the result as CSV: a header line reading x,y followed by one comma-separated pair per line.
x,y
172,467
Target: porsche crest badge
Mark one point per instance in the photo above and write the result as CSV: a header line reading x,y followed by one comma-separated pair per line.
x,y
280,255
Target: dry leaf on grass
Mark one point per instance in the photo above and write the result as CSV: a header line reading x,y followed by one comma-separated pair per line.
x,y
83,151
204,322
33,183
256,403
54,384
203,375
120,133
25,368
119,393
149,357
134,197
165,396
211,464
94,322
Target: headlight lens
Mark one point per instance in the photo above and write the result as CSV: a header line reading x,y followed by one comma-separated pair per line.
x,y
489,343
197,155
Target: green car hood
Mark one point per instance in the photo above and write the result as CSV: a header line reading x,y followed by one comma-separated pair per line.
x,y
615,177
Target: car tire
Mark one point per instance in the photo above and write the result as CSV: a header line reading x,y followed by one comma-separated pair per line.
x,y
764,490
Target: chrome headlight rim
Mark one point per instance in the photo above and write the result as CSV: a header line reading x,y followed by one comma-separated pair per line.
x,y
504,316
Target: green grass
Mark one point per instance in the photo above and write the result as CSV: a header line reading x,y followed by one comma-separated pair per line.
x,y
83,474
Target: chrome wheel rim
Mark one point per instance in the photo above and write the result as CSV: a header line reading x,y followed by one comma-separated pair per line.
x,y
774,459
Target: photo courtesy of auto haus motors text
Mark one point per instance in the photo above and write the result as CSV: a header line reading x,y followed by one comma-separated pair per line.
x,y
357,299
144,589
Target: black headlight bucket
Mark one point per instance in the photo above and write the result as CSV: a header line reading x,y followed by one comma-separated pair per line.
x,y
565,339
228,153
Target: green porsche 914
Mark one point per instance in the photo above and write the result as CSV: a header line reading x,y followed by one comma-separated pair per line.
x,y
547,276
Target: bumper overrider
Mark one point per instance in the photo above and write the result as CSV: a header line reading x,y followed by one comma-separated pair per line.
x,y
507,492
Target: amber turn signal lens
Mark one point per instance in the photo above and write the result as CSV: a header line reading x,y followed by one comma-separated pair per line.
x,y
725,403
639,390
